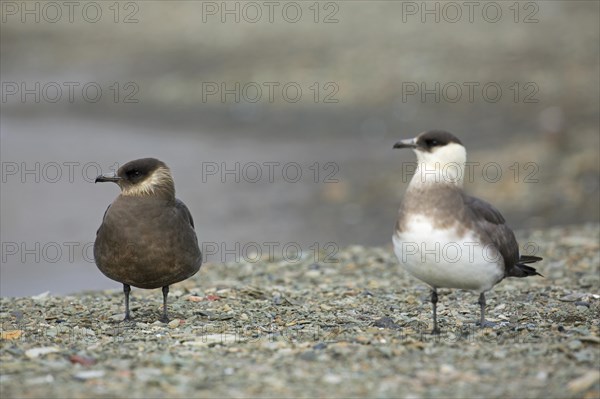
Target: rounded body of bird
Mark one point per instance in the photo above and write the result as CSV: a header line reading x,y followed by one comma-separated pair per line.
x,y
147,242
435,241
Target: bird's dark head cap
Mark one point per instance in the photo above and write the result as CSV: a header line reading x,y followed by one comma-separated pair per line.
x,y
145,176
428,141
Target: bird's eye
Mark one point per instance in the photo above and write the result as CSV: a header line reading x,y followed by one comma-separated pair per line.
x,y
431,142
134,173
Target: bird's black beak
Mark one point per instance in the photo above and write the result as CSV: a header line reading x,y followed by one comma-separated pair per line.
x,y
408,143
105,178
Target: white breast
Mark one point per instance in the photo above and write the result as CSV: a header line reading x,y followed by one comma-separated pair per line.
x,y
446,259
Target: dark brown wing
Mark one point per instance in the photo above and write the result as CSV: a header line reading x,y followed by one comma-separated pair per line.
x,y
489,220
180,206
103,216
185,212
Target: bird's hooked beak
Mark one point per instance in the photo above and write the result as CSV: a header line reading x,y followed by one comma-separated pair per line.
x,y
408,143
104,178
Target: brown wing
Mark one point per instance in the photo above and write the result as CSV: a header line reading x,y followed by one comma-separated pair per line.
x,y
489,220
103,217
180,206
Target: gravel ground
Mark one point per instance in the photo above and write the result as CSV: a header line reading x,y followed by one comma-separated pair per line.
x,y
354,328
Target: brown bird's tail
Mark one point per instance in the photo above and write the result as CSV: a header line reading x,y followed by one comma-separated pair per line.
x,y
520,269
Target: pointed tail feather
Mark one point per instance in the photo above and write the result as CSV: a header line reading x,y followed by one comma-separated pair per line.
x,y
520,269
529,259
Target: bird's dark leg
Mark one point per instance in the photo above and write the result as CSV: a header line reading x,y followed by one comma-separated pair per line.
x,y
165,317
482,322
126,291
482,309
434,301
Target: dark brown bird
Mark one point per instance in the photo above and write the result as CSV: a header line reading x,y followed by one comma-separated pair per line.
x,y
147,237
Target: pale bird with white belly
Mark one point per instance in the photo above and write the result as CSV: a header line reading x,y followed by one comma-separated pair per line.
x,y
446,238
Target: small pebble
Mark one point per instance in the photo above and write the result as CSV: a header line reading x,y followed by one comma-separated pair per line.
x,y
37,352
320,346
89,374
584,382
575,344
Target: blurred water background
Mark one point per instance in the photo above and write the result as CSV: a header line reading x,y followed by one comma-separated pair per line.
x,y
348,79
